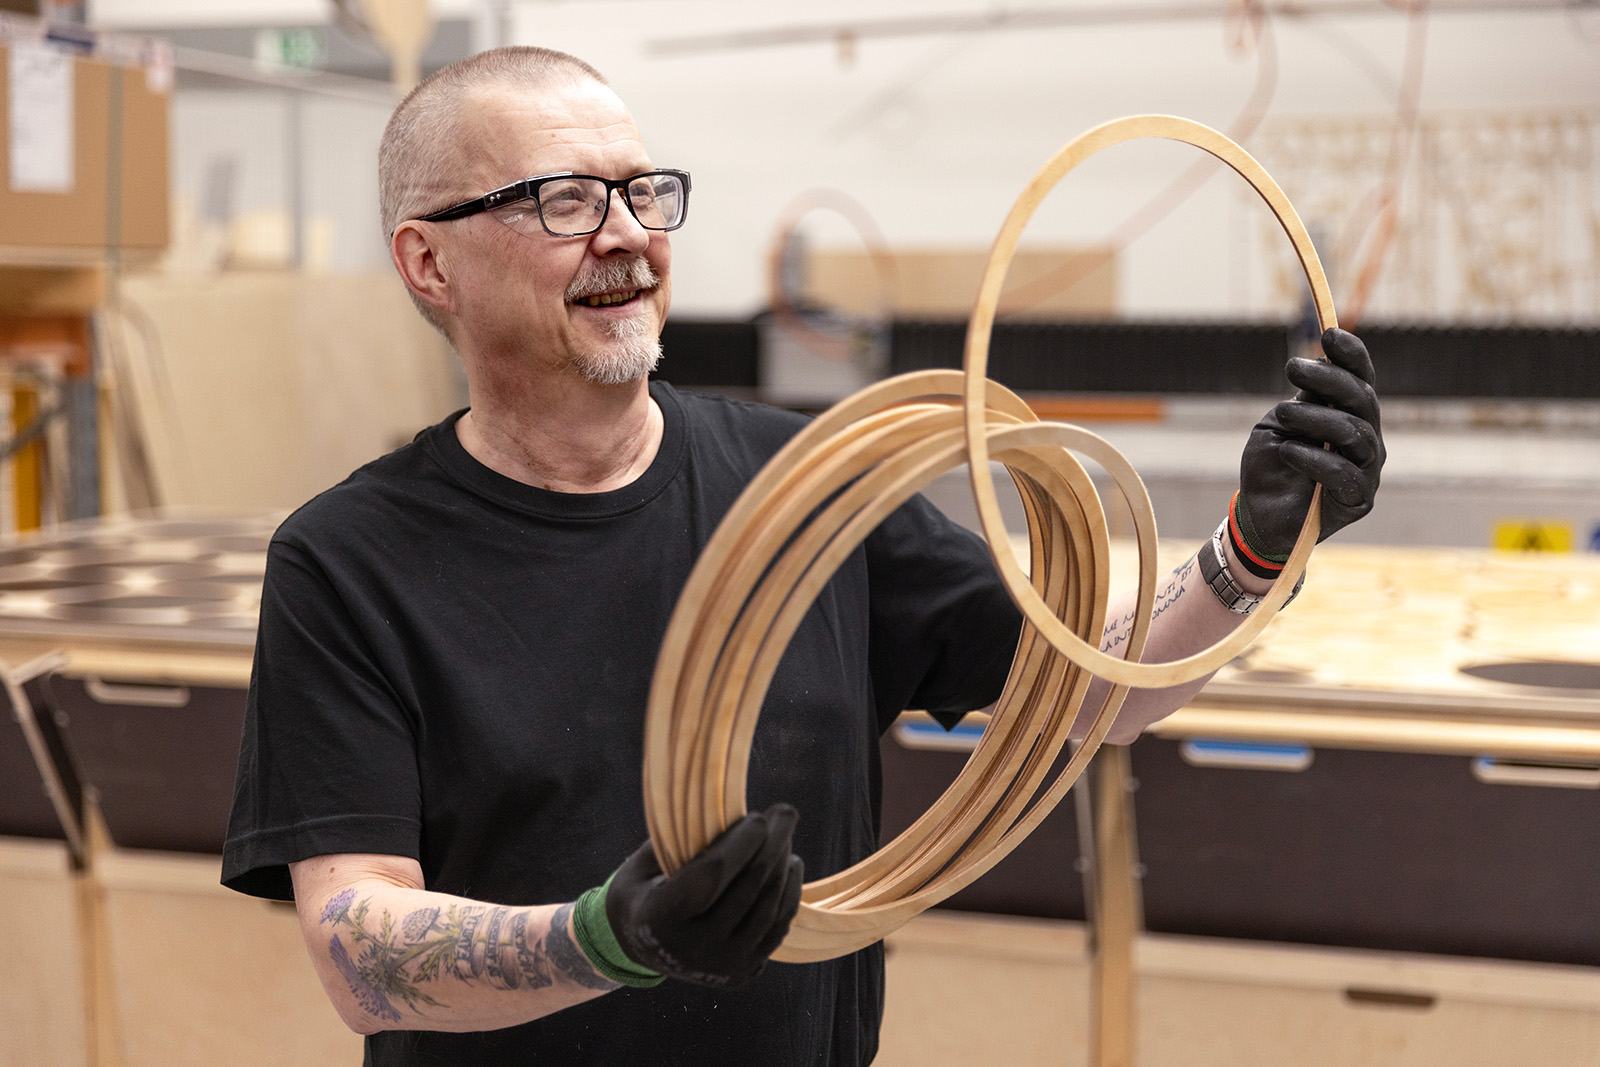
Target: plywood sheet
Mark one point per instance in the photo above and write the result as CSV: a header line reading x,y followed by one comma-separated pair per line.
x,y
260,389
1042,283
1379,625
980,989
986,990
236,985
42,1017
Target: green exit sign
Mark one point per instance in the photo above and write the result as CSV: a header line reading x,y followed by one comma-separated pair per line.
x,y
303,47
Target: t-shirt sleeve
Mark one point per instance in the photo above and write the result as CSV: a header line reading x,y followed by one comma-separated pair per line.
x,y
943,629
327,762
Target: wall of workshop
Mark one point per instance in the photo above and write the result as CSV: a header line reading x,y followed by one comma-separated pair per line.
x,y
934,135
235,153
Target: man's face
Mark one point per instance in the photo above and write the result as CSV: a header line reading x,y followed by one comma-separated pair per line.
x,y
590,305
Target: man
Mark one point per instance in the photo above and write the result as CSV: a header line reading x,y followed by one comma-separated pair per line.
x,y
441,759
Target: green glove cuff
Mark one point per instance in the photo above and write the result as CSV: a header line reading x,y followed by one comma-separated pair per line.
x,y
592,930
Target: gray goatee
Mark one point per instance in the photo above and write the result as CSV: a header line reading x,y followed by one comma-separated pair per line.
x,y
636,348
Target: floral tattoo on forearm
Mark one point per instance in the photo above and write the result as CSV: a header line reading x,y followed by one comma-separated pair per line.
x,y
470,943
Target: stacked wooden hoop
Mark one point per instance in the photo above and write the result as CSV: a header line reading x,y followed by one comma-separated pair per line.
x,y
824,493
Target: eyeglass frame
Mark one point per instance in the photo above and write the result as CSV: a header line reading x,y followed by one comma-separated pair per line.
x,y
528,189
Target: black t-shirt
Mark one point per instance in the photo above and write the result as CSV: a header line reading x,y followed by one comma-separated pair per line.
x,y
453,666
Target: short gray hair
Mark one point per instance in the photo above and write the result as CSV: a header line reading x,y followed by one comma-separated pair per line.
x,y
417,158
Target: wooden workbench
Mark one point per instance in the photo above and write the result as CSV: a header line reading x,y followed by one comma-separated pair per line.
x,y
1369,657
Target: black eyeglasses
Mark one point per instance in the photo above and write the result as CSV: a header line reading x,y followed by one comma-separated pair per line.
x,y
572,205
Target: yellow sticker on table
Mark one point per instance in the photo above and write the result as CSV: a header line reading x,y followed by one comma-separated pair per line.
x,y
1533,535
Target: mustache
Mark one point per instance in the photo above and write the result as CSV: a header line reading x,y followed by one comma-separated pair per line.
x,y
635,273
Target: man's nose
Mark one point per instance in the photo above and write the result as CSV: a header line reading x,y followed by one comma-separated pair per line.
x,y
621,229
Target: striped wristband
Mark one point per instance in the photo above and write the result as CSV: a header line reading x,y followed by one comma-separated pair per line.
x,y
592,930
1240,533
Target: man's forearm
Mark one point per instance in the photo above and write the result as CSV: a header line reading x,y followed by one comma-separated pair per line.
x,y
1187,618
398,958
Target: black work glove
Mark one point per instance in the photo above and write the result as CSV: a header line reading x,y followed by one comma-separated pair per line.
x,y
1284,458
713,922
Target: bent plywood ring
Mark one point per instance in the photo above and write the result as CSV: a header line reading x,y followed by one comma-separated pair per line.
x,y
820,497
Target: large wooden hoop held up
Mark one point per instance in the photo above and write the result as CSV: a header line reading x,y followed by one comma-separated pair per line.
x,y
820,497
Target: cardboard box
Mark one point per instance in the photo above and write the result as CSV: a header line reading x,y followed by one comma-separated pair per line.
x,y
120,142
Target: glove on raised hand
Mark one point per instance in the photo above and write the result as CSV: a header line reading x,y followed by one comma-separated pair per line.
x,y
713,922
1284,458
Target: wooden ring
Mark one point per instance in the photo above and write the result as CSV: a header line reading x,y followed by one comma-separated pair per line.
x,y
1134,127
814,503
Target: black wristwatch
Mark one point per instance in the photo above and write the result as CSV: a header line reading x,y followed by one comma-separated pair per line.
x,y
1214,569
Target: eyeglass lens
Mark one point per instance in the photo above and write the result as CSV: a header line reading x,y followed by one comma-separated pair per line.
x,y
575,206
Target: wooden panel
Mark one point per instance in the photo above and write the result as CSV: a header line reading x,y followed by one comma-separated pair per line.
x,y
278,384
944,282
1448,977
201,975
986,990
1392,627
1202,1024
977,989
1117,917
42,1018
1215,1004
169,665
1383,733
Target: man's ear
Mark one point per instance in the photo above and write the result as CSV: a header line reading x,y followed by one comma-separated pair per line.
x,y
416,256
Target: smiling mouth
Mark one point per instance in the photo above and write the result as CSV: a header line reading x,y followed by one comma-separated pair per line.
x,y
600,300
